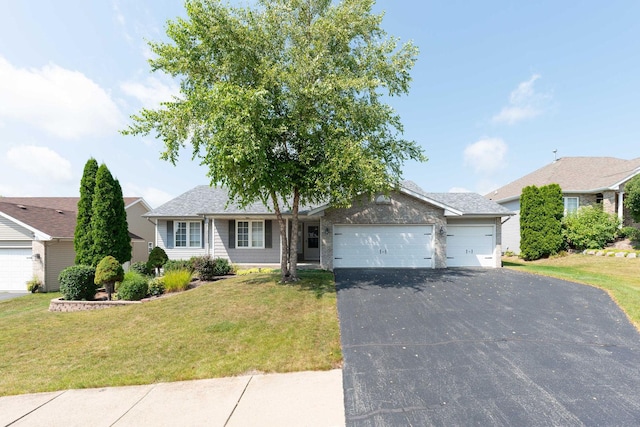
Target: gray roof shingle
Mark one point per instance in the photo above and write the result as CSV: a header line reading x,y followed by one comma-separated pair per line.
x,y
574,175
467,203
206,200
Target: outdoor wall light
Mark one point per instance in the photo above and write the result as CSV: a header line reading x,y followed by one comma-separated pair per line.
x,y
326,230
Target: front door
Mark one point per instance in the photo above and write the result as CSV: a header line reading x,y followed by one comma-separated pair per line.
x,y
312,242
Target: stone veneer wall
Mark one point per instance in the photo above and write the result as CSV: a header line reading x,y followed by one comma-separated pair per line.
x,y
60,305
402,209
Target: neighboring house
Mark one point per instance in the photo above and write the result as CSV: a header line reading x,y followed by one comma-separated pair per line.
x,y
36,238
408,228
584,181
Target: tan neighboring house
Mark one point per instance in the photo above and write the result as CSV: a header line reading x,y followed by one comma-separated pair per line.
x,y
584,181
36,238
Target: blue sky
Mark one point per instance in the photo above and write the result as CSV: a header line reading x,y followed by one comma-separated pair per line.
x,y
497,87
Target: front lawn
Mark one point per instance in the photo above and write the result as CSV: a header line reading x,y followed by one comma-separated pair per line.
x,y
620,277
229,327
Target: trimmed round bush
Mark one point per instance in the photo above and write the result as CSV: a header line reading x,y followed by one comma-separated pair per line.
x,y
157,258
77,283
133,287
140,268
108,272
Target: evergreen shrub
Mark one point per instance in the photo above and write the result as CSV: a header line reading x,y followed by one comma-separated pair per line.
x,y
77,283
133,287
140,268
157,258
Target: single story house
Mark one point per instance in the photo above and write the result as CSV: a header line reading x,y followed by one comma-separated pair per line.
x,y
36,238
584,181
407,228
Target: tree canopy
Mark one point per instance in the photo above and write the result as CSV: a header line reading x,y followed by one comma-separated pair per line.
x,y
285,102
632,197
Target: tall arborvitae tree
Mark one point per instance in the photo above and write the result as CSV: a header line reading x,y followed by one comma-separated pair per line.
x,y
123,241
83,239
107,219
541,211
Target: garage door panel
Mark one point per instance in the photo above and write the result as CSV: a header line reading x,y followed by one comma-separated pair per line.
x,y
470,246
382,246
15,269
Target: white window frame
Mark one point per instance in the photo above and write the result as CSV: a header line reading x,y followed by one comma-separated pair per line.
x,y
188,225
250,236
565,201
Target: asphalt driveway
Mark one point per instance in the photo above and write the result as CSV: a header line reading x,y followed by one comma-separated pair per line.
x,y
484,347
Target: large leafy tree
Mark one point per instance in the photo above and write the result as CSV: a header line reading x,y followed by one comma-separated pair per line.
x,y
83,239
632,197
285,102
108,220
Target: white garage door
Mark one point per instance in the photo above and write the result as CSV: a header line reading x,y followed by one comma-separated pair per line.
x,y
15,269
470,246
382,246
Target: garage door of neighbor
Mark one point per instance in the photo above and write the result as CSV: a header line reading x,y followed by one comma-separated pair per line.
x,y
15,269
383,246
470,246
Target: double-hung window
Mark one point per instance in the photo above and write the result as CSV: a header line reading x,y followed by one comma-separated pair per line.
x,y
250,234
188,234
570,205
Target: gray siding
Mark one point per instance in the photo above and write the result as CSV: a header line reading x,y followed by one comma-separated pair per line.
x,y
244,255
403,209
58,255
141,227
511,228
9,230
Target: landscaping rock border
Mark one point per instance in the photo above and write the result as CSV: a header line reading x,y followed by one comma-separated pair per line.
x,y
613,253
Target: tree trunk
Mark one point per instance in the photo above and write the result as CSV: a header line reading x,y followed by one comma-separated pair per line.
x,y
284,244
293,239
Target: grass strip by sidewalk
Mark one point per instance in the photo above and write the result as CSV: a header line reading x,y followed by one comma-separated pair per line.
x,y
229,327
619,277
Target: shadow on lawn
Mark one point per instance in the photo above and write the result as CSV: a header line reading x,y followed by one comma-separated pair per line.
x,y
319,282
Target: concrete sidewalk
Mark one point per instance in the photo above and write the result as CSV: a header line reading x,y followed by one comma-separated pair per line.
x,y
294,399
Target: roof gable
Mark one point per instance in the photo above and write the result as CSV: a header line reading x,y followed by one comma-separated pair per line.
x,y
574,175
62,203
53,223
53,217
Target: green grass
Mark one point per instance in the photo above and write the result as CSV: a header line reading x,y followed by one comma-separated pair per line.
x,y
620,277
229,327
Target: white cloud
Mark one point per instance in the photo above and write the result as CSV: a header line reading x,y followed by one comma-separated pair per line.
x,y
486,155
64,103
152,91
524,103
153,196
40,163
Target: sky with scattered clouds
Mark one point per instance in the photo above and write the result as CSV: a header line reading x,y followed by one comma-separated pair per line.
x,y
498,86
